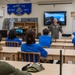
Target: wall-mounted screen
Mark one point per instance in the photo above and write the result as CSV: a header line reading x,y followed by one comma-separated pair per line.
x,y
49,16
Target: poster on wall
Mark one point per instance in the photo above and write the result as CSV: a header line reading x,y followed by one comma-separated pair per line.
x,y
19,9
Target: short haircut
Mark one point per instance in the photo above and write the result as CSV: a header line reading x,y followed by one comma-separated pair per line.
x,y
12,34
45,31
30,36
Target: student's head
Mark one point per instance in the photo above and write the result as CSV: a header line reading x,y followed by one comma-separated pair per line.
x,y
30,36
12,34
74,33
45,31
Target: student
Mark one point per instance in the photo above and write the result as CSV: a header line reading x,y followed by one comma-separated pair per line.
x,y
31,46
45,39
73,39
7,69
12,37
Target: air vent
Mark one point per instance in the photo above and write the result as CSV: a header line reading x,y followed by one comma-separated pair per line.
x,y
27,0
54,2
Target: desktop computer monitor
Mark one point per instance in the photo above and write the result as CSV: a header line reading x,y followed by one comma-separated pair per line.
x,y
3,33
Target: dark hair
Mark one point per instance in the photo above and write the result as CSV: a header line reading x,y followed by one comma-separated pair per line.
x,y
30,36
12,34
45,31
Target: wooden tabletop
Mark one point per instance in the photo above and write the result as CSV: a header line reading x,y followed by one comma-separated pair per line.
x,y
62,44
69,52
63,40
68,69
11,49
54,51
50,69
16,49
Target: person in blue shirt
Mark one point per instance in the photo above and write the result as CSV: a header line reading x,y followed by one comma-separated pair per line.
x,y
31,46
45,40
12,37
73,39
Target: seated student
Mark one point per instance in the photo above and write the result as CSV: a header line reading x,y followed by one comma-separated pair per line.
x,y
31,46
12,37
73,39
45,39
7,69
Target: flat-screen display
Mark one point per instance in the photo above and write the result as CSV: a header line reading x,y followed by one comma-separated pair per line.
x,y
49,16
3,33
19,31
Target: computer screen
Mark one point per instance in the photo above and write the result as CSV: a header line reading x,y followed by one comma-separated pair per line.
x,y
3,33
19,31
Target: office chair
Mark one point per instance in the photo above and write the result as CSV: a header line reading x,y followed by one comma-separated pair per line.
x,y
11,44
28,56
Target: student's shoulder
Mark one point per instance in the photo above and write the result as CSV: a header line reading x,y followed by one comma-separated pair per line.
x,y
73,38
48,35
41,36
16,39
6,38
23,44
37,45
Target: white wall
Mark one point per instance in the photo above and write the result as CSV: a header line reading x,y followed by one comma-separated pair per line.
x,y
38,10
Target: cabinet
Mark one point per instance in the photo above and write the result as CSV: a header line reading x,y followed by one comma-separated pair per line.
x,y
27,25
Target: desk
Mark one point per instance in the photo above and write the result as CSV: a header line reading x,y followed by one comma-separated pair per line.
x,y
53,54
53,45
62,45
69,55
50,69
68,69
63,40
10,52
2,43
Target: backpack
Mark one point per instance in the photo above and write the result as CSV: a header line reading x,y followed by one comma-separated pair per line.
x,y
34,67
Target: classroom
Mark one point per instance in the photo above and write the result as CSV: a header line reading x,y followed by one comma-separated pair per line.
x,y
37,37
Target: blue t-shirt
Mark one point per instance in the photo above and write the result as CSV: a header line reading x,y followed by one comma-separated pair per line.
x,y
45,40
14,40
34,48
73,40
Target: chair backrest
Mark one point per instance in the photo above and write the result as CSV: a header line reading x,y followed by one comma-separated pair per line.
x,y
12,44
29,56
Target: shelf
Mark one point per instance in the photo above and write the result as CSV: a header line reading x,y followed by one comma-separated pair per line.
x,y
27,25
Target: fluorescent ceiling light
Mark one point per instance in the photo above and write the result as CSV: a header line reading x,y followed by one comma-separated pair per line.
x,y
54,2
